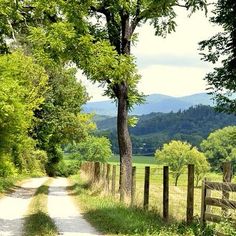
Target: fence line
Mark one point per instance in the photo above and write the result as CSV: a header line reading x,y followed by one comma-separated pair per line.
x,y
107,175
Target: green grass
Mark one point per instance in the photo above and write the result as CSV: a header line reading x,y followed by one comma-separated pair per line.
x,y
38,222
137,160
112,218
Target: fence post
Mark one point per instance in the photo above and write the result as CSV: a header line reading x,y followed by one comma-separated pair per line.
x,y
166,193
133,187
208,194
97,172
104,173
108,177
190,194
227,175
122,178
91,170
113,184
203,203
146,187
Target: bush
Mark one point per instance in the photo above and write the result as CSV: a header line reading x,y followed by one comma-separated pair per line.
x,y
7,168
64,169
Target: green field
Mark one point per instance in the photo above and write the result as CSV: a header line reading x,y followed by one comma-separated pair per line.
x,y
137,160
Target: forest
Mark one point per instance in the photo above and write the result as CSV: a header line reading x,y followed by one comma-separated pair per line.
x,y
155,129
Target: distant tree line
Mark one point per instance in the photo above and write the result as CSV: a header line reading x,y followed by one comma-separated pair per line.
x,y
155,129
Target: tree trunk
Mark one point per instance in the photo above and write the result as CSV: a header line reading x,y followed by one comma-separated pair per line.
x,y
176,180
124,141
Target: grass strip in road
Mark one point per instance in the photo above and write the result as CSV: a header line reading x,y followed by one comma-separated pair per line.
x,y
38,222
111,217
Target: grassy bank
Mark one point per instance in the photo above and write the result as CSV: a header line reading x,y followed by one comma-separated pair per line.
x,y
112,218
38,223
7,183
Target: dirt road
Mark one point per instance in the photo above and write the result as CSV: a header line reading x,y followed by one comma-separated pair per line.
x,y
13,207
64,213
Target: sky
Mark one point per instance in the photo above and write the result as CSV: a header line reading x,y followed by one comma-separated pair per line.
x,y
171,65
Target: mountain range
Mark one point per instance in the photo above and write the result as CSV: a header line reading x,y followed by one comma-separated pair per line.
x,y
154,103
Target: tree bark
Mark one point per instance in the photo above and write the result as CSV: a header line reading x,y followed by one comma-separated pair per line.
x,y
124,141
119,36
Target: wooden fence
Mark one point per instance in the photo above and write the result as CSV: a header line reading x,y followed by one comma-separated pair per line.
x,y
224,203
107,174
101,172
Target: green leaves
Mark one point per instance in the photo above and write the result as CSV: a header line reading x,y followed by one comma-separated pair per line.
x,y
220,146
177,155
22,90
222,48
94,149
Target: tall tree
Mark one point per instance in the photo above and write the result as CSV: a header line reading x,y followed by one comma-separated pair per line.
x,y
221,48
122,18
106,55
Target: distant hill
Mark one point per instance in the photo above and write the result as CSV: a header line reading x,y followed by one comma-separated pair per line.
x,y
155,129
154,103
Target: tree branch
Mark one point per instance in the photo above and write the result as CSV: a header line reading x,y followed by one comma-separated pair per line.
x,y
101,10
179,5
137,18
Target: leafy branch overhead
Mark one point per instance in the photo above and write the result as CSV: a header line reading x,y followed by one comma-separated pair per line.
x,y
221,49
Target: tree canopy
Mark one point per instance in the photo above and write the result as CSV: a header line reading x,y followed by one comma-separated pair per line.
x,y
220,146
221,48
22,90
177,155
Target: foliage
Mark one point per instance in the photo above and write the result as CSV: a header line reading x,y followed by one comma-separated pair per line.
x,y
221,49
177,155
54,116
201,165
93,149
220,146
23,86
7,168
66,169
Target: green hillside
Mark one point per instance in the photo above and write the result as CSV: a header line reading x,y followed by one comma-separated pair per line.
x,y
155,129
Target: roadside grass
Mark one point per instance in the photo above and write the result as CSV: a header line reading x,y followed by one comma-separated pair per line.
x,y
112,217
7,184
38,222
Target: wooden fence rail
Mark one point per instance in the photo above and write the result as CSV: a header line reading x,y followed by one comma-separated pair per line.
x,y
224,203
